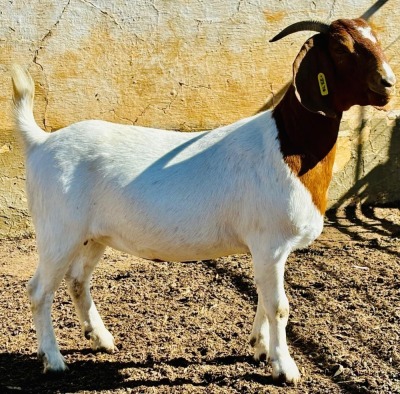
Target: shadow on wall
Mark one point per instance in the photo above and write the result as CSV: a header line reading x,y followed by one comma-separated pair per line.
x,y
379,187
382,183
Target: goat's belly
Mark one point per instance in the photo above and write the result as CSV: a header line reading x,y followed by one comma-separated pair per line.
x,y
150,247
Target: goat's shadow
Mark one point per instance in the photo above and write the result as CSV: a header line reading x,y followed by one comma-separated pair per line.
x,y
22,373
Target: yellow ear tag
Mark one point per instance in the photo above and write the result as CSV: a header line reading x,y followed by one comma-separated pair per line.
x,y
323,87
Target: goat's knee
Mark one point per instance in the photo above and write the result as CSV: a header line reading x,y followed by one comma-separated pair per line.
x,y
39,298
31,289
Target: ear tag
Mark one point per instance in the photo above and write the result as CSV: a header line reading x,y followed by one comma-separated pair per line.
x,y
323,87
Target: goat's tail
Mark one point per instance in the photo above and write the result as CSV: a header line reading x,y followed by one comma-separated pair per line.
x,y
24,91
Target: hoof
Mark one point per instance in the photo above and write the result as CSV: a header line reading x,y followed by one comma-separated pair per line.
x,y
260,349
54,364
101,341
285,371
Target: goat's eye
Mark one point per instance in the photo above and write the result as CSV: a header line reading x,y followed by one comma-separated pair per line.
x,y
342,50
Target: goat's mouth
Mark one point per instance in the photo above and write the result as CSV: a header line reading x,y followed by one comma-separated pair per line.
x,y
380,97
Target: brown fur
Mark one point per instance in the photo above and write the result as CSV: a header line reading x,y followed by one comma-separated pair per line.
x,y
308,144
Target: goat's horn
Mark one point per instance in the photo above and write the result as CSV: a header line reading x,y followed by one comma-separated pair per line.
x,y
320,27
367,14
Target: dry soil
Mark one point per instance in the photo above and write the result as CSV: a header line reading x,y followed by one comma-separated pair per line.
x,y
183,328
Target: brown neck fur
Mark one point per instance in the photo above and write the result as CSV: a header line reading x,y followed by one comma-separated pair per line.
x,y
308,145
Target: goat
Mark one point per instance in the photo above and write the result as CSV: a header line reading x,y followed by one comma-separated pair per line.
x,y
258,185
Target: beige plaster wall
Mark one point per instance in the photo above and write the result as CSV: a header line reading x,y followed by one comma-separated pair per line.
x,y
179,64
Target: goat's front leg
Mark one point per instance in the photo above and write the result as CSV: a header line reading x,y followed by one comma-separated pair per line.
x,y
269,276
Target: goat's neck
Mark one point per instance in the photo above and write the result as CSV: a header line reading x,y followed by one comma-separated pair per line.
x,y
308,145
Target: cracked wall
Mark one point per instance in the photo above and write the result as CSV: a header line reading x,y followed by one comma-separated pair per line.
x,y
180,64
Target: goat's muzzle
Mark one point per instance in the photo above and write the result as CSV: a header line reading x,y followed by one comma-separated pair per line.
x,y
379,98
381,87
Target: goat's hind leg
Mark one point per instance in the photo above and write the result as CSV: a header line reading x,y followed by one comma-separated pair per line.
x,y
78,282
41,289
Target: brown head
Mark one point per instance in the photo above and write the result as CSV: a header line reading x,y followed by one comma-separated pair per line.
x,y
341,67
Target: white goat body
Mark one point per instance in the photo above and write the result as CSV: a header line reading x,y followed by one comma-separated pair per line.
x,y
258,185
159,195
168,195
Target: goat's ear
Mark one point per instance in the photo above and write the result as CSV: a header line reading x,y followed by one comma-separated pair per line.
x,y
313,77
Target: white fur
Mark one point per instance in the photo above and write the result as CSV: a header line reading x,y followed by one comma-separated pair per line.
x,y
163,195
366,32
388,73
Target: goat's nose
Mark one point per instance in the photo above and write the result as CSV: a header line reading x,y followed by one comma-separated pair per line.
x,y
388,82
388,79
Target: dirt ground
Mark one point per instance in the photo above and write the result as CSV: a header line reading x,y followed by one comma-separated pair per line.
x,y
183,328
